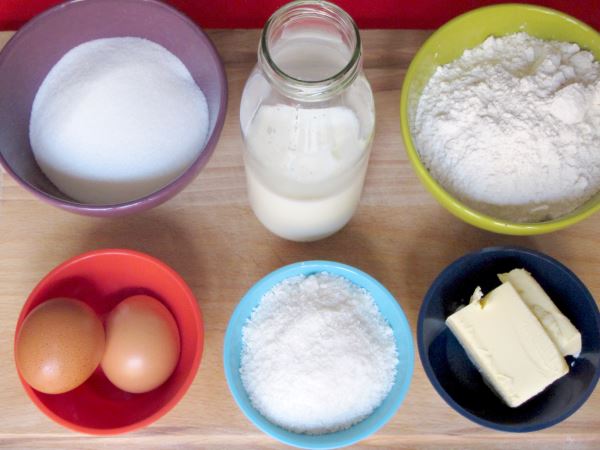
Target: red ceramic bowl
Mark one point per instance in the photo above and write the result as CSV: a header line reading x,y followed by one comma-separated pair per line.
x,y
102,279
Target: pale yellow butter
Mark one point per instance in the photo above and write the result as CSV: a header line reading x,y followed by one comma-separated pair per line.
x,y
508,344
560,329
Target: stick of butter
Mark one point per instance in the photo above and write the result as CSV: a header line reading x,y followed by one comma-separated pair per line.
x,y
508,345
560,329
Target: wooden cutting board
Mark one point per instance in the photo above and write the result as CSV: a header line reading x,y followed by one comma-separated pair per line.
x,y
208,233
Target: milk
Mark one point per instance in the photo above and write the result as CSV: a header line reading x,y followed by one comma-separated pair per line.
x,y
306,161
305,170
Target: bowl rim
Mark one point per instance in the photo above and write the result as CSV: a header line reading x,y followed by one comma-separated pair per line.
x,y
174,186
431,375
183,388
448,201
308,267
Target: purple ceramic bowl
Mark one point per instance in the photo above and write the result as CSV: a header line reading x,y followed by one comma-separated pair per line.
x,y
38,45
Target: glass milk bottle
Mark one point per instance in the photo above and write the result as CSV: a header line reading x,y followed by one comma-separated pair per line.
x,y
307,118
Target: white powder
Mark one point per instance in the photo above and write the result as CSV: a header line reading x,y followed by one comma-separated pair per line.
x,y
317,355
117,119
512,127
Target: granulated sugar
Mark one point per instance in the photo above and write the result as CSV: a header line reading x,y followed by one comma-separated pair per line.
x,y
512,127
317,355
117,119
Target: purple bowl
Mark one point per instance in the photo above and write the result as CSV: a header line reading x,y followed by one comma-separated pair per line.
x,y
38,45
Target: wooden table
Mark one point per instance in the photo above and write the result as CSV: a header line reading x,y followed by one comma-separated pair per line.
x,y
208,233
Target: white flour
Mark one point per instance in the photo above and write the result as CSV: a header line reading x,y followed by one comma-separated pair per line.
x,y
317,355
512,127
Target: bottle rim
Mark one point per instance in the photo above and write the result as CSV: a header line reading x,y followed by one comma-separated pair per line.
x,y
310,89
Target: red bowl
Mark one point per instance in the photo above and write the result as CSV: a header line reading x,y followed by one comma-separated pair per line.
x,y
102,279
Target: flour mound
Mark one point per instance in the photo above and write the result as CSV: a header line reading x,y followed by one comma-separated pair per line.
x,y
512,127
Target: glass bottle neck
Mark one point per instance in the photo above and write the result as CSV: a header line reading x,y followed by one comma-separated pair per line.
x,y
310,50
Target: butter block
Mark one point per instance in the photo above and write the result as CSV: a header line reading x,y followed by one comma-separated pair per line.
x,y
560,329
508,345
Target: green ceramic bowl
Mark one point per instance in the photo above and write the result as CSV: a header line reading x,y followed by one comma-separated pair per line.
x,y
448,43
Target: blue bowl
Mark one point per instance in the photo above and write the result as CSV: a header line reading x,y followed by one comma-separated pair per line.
x,y
458,381
387,306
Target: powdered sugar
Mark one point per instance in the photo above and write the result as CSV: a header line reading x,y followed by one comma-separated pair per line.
x,y
512,127
317,354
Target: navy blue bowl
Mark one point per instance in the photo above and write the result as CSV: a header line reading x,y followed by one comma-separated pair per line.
x,y
458,381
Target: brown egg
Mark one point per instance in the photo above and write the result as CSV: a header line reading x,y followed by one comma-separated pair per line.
x,y
59,345
142,344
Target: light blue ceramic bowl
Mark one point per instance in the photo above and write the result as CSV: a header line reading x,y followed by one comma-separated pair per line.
x,y
390,310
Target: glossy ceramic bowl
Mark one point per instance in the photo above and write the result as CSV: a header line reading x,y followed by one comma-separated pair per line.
x,y
102,279
447,44
37,46
388,307
457,380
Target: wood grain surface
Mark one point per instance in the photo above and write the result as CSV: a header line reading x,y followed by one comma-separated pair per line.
x,y
208,233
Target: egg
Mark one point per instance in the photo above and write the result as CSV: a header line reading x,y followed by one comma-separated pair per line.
x,y
142,344
59,345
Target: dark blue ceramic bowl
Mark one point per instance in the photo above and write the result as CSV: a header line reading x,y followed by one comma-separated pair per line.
x,y
457,380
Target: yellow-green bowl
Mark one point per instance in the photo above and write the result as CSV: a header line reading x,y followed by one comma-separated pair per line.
x,y
448,43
